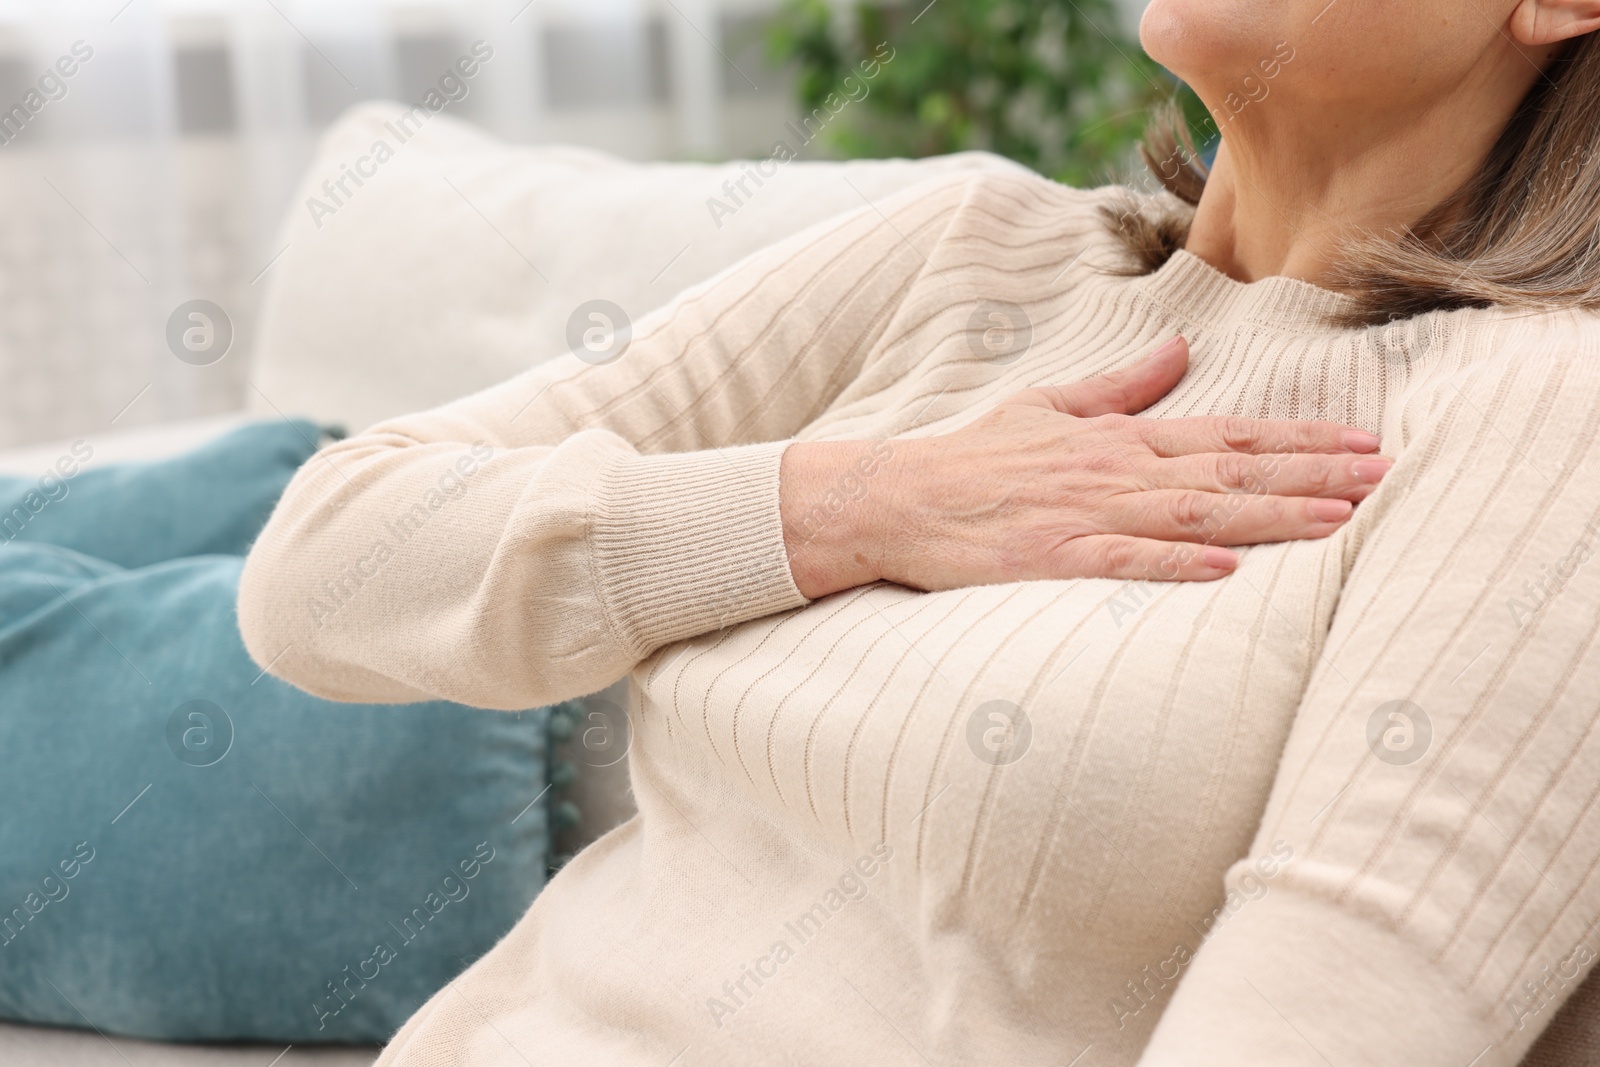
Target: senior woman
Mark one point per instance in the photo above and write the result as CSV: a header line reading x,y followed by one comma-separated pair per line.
x,y
961,733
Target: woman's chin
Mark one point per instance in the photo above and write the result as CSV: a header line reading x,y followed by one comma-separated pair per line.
x,y
1192,36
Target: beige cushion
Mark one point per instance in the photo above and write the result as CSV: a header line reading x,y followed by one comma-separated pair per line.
x,y
459,263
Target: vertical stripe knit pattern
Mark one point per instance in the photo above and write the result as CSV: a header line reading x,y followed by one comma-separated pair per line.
x,y
1338,808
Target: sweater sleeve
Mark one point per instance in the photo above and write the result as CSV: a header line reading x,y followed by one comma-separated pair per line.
x,y
1424,890
535,541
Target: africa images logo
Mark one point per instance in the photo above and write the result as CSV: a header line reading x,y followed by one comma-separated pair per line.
x,y
1399,733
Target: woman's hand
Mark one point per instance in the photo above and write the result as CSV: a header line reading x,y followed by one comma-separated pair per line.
x,y
1063,482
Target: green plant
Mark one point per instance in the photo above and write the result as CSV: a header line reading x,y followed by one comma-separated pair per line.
x,y
1054,84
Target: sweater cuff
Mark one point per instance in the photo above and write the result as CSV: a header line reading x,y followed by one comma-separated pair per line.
x,y
692,542
1294,981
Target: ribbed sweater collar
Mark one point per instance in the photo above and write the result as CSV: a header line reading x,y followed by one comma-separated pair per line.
x,y
1190,287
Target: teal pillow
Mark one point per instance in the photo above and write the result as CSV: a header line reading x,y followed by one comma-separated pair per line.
x,y
196,850
213,499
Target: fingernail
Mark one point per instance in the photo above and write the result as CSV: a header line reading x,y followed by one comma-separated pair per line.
x,y
1219,559
1361,441
1330,510
1168,348
1372,470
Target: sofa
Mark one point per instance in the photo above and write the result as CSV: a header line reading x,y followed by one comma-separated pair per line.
x,y
460,263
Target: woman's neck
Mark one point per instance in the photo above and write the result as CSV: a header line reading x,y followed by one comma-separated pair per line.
x,y
1287,191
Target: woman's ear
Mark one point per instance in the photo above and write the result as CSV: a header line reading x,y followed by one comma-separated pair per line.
x,y
1545,22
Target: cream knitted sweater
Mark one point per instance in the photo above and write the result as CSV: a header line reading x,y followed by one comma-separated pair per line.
x,y
1215,813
